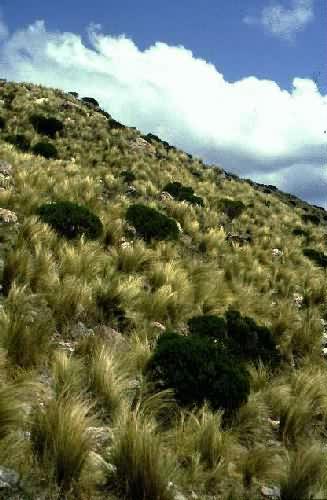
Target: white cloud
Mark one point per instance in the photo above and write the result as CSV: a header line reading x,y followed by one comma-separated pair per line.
x,y
282,22
251,126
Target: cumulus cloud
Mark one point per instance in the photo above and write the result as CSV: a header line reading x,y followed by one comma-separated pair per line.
x,y
282,22
251,126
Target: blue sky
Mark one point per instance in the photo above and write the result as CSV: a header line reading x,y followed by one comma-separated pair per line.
x,y
241,84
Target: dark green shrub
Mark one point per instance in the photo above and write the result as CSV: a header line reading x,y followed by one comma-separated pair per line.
x,y
90,100
70,220
313,218
151,224
45,149
128,176
211,326
183,193
198,371
232,208
318,258
46,126
113,124
298,231
74,94
250,341
19,140
2,122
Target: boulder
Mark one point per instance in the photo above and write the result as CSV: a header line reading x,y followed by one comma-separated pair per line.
x,y
7,216
270,492
241,239
6,168
164,196
8,478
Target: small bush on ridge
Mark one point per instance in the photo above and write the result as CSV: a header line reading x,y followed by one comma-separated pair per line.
x,y
318,258
232,208
19,140
180,192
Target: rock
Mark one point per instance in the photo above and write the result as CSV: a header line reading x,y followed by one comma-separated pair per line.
x,y
180,229
141,144
164,196
239,238
276,252
274,423
8,478
7,216
5,168
158,325
109,335
80,330
101,435
41,100
272,493
298,299
131,191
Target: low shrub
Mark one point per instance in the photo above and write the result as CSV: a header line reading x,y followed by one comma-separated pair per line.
x,y
317,257
19,140
128,176
198,371
232,208
45,149
111,310
74,94
71,220
183,193
241,336
2,122
113,124
46,125
151,224
90,100
249,341
298,231
313,218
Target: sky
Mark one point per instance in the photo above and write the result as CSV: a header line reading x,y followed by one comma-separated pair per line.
x,y
241,84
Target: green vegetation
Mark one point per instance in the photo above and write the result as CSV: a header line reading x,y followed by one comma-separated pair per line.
x,y
145,351
46,125
70,219
45,149
151,224
183,193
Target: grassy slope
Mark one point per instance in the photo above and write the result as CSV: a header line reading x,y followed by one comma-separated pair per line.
x,y
54,285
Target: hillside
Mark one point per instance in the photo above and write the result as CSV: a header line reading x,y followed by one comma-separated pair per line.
x,y
171,353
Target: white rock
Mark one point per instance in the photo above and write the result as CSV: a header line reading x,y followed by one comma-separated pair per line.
x,y
41,100
276,252
8,478
273,492
7,216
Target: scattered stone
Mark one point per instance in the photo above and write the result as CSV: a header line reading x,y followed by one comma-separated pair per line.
x,y
158,325
7,216
298,300
41,100
273,493
276,252
239,238
66,346
131,191
164,196
80,330
109,335
8,478
5,168
101,435
274,423
126,244
180,229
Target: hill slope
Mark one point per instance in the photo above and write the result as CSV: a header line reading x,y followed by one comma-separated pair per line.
x,y
80,317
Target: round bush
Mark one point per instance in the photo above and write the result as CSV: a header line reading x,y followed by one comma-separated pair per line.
x,y
46,126
45,149
19,140
211,326
232,208
318,258
183,193
250,341
71,220
2,122
198,371
151,224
